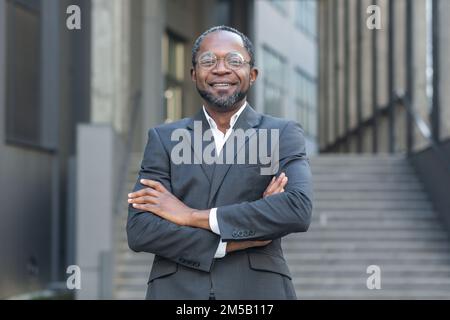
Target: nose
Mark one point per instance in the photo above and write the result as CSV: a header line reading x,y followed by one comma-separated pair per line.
x,y
220,67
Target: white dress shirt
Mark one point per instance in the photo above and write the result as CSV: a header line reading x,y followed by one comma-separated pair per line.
x,y
219,140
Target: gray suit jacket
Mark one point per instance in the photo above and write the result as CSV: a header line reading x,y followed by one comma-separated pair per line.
x,y
184,265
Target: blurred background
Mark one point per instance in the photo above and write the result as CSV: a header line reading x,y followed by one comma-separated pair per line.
x,y
76,105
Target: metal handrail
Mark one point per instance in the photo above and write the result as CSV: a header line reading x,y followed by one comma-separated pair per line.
x,y
424,129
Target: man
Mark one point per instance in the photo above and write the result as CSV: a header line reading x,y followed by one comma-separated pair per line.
x,y
216,228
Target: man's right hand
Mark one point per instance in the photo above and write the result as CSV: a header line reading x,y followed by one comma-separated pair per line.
x,y
275,186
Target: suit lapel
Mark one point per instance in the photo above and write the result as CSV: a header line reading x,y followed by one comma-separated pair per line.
x,y
200,120
248,119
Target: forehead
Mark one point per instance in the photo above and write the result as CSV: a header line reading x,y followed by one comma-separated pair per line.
x,y
221,42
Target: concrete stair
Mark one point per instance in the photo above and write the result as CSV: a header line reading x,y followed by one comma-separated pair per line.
x,y
131,269
369,210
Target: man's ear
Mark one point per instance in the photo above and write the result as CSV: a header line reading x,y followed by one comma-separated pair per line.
x,y
253,75
193,75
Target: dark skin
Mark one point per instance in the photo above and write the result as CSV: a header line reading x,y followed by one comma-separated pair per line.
x,y
221,43
156,198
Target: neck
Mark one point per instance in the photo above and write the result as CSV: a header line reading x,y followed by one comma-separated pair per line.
x,y
222,118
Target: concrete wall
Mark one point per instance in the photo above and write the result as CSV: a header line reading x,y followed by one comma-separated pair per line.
x,y
25,186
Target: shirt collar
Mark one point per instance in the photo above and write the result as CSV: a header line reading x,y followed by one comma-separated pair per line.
x,y
233,118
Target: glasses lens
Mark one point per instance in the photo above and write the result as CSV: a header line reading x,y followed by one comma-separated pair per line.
x,y
234,60
207,60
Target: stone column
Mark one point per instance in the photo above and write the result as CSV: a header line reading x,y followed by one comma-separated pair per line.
x,y
110,48
153,78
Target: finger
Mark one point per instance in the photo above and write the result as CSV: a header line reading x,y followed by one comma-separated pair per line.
x,y
146,207
277,184
144,192
144,200
269,187
274,185
283,183
153,184
262,243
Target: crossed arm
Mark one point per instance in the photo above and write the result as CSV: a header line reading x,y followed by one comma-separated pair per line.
x,y
157,198
186,231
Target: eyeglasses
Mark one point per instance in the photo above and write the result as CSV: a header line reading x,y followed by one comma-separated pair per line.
x,y
233,60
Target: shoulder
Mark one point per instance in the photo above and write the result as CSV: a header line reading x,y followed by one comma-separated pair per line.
x,y
166,129
281,124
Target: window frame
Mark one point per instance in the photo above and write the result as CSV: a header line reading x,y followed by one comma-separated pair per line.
x,y
10,135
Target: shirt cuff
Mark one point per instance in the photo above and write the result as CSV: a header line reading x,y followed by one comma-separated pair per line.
x,y
213,224
221,250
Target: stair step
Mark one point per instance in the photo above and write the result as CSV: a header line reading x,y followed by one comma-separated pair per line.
x,y
328,246
386,282
360,267
361,186
336,224
373,196
129,295
366,294
361,170
373,256
375,213
373,235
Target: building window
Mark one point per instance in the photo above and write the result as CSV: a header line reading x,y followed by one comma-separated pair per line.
x,y
23,112
305,17
306,102
173,58
281,5
273,69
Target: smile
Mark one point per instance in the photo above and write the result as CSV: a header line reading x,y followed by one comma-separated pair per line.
x,y
221,85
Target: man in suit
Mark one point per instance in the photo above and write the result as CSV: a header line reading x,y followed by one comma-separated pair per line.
x,y
216,228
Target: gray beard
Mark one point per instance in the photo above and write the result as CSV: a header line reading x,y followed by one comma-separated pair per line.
x,y
224,103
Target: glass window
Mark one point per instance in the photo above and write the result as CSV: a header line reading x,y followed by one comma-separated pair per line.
x,y
305,101
305,17
273,78
23,116
281,5
173,60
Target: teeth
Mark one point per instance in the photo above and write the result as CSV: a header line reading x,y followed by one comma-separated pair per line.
x,y
221,85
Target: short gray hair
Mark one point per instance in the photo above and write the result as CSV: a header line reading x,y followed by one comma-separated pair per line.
x,y
247,43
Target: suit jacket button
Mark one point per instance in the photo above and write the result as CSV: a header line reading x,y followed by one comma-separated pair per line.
x,y
246,233
252,233
234,234
240,233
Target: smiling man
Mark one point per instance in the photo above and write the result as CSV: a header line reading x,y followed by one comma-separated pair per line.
x,y
216,229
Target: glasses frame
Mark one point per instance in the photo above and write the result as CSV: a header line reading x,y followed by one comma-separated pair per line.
x,y
197,62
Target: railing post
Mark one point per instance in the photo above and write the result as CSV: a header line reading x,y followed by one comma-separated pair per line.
x,y
391,77
374,90
409,74
435,113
